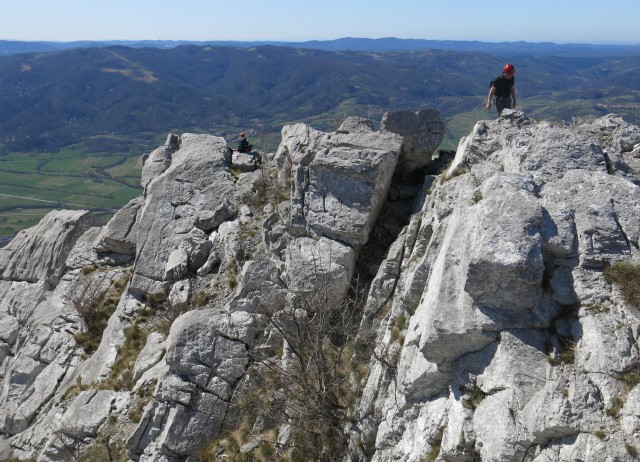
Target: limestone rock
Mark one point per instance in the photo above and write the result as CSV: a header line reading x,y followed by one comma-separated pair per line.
x,y
491,330
319,266
158,161
422,133
194,396
511,353
195,182
120,234
246,161
340,180
39,252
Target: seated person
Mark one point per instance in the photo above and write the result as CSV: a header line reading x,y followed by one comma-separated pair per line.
x,y
243,144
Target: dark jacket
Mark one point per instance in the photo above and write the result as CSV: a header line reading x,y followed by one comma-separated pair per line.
x,y
503,85
243,145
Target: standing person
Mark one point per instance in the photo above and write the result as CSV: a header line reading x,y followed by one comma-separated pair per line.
x,y
504,89
243,144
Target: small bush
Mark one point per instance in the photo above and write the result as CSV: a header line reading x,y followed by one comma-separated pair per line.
x,y
401,322
632,450
87,270
626,276
168,316
568,354
616,407
95,304
105,448
565,354
436,444
120,377
458,171
200,299
396,332
477,197
74,390
475,398
600,434
232,281
267,450
598,308
156,301
630,378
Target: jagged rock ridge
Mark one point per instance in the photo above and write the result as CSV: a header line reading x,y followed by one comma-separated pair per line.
x,y
493,275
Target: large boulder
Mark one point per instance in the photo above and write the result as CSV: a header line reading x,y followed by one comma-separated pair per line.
x,y
120,234
185,195
39,253
421,131
340,180
207,356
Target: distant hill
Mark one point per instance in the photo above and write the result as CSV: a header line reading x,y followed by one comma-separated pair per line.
x,y
54,99
8,47
111,97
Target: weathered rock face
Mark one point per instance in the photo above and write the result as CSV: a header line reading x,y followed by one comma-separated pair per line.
x,y
496,335
504,354
422,133
339,181
119,236
194,186
38,254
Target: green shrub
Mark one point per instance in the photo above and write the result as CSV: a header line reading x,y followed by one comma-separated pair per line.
x,y
75,389
600,434
156,301
616,407
626,276
475,398
120,377
95,306
458,171
630,378
435,446
201,299
267,450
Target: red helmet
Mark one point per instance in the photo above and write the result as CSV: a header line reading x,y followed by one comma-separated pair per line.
x,y
508,69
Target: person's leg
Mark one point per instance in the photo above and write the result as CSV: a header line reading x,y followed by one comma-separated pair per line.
x,y
503,103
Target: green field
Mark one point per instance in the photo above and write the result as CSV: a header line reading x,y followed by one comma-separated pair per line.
x,y
32,184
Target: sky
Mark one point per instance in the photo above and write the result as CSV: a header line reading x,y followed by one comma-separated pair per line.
x,y
560,21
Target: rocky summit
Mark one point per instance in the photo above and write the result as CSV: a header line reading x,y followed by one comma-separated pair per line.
x,y
353,297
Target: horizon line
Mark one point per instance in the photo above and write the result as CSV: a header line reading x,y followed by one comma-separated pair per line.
x,y
599,43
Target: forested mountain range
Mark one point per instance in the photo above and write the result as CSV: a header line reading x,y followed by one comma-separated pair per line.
x,y
112,97
8,47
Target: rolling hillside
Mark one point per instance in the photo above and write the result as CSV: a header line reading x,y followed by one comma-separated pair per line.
x,y
116,103
125,96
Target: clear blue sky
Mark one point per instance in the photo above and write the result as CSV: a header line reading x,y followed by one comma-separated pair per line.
x,y
561,21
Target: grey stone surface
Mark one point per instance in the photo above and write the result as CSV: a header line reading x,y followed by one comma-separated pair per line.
x,y
496,336
38,253
422,133
511,353
196,181
120,234
339,180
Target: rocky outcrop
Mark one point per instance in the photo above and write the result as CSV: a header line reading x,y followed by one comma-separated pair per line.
x,y
503,354
422,132
489,329
119,236
38,254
